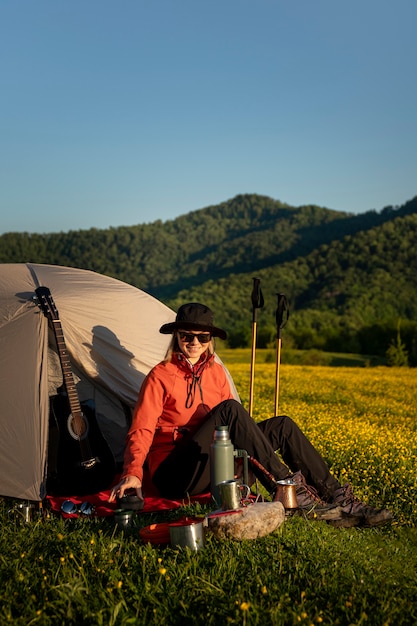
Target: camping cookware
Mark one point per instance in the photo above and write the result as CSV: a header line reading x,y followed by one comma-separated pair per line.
x,y
187,534
123,518
232,493
286,493
23,512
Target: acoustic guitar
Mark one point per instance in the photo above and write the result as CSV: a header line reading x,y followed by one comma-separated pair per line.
x,y
83,462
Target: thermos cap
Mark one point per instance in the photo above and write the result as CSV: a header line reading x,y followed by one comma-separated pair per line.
x,y
221,433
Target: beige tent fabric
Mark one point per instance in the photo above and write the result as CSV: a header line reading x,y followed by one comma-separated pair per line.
x,y
111,333
24,401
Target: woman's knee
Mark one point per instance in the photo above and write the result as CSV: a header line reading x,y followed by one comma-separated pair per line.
x,y
288,426
233,411
230,403
229,407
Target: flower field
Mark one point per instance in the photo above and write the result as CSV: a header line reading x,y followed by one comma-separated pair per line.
x,y
363,421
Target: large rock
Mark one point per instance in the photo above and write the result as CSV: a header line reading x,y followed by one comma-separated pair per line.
x,y
251,522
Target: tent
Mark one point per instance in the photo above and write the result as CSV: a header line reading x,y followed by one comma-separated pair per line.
x,y
111,335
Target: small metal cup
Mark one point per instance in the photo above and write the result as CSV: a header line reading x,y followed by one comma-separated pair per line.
x,y
23,512
188,534
231,494
286,493
123,518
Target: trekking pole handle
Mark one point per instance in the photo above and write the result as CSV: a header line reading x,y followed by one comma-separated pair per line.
x,y
257,297
282,311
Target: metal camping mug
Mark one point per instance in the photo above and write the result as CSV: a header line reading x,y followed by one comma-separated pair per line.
x,y
123,518
189,534
24,512
231,494
286,493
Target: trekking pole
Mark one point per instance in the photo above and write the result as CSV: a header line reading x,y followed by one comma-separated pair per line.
x,y
263,469
281,312
265,472
257,303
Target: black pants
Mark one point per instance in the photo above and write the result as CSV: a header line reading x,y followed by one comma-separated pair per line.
x,y
187,468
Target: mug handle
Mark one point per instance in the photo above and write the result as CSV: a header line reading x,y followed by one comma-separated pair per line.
x,y
246,496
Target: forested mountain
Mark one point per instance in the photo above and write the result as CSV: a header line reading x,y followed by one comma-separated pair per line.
x,y
350,279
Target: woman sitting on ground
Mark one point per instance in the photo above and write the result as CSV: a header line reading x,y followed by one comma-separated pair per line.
x,y
181,402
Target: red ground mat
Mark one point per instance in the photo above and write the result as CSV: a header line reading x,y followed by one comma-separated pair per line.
x,y
104,508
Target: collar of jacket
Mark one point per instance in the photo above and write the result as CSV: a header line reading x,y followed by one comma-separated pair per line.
x,y
183,363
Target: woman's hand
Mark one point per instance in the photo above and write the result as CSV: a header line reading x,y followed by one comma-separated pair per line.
x,y
128,482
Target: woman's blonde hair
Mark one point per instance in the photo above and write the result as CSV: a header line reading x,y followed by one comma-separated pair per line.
x,y
174,347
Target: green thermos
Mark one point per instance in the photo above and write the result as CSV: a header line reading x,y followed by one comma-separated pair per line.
x,y
222,461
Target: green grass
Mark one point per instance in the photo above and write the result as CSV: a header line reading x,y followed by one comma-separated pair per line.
x,y
82,572
55,571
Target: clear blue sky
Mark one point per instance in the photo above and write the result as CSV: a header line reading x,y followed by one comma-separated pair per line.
x,y
120,112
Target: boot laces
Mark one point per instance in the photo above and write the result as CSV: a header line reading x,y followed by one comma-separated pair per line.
x,y
346,496
303,489
312,492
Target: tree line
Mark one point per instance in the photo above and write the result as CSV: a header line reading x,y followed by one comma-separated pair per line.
x,y
350,279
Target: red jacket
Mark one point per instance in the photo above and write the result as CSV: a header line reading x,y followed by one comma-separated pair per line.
x,y
174,395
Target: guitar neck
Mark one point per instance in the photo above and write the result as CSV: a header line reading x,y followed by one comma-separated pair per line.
x,y
68,376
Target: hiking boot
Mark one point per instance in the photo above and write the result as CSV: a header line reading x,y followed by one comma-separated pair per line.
x,y
366,514
310,503
345,521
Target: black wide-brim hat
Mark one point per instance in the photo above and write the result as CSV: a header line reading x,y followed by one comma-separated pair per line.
x,y
194,316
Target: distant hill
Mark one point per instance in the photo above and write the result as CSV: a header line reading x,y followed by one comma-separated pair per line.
x,y
351,280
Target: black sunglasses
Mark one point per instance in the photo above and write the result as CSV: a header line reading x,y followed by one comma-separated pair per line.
x,y
71,508
189,337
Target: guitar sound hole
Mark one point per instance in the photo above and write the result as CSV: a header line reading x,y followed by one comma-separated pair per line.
x,y
77,427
